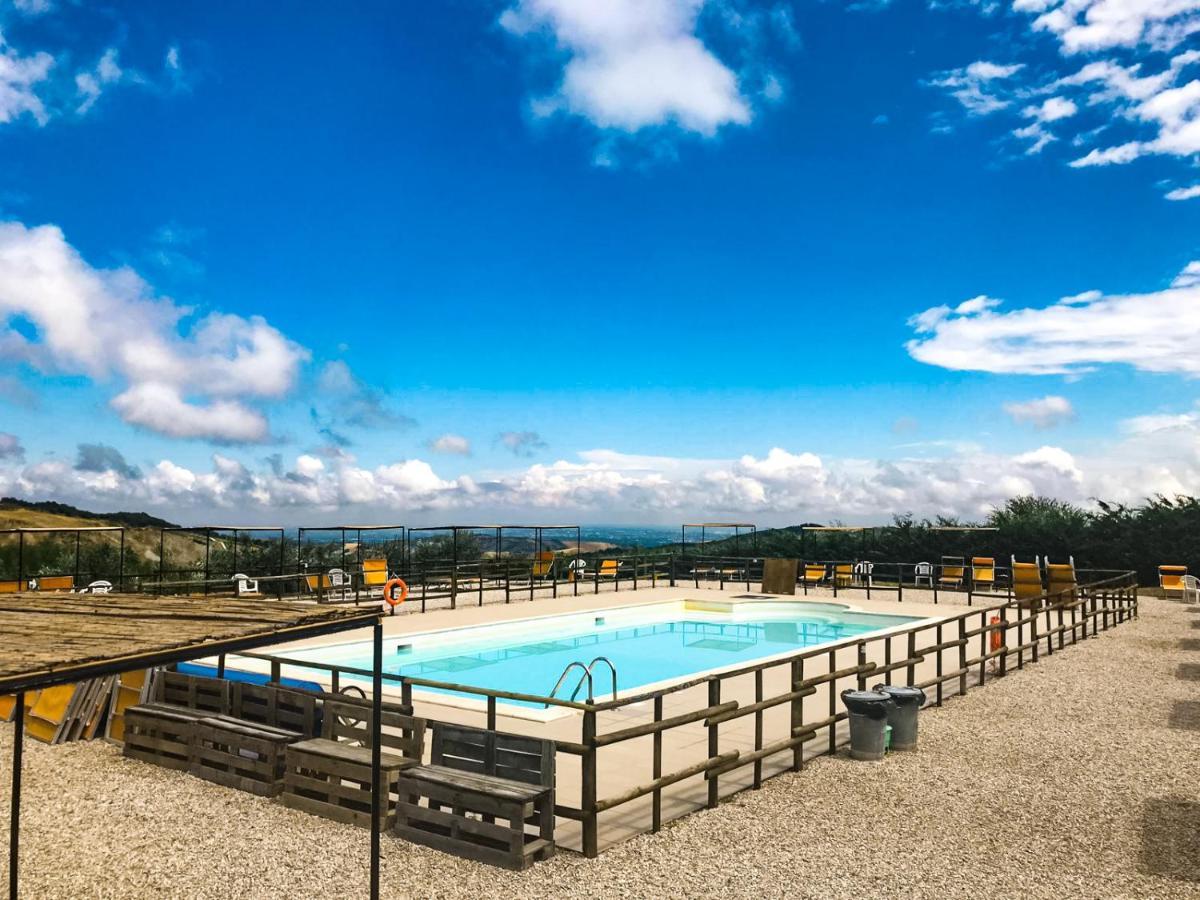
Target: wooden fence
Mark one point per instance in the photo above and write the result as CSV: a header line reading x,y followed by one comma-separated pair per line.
x,y
794,700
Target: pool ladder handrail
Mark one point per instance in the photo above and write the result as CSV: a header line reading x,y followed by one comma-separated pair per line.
x,y
586,676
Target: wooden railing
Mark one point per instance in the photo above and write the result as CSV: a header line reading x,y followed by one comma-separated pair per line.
x,y
965,649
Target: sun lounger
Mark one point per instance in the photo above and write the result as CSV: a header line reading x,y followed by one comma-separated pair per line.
x,y
843,574
1060,581
374,575
1027,581
1170,579
954,570
543,564
814,574
983,573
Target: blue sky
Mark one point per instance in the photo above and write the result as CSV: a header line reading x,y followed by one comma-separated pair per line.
x,y
596,262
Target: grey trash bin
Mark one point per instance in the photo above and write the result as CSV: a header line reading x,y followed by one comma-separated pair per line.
x,y
903,715
869,712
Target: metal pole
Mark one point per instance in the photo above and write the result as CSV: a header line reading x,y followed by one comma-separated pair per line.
x,y
376,740
207,548
14,827
121,563
75,578
162,543
20,559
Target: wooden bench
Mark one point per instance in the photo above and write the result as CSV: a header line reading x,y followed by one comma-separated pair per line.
x,y
160,731
330,776
474,778
245,755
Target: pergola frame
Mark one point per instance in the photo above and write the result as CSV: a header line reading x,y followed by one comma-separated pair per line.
x,y
357,531
539,533
454,531
207,531
704,526
21,532
836,528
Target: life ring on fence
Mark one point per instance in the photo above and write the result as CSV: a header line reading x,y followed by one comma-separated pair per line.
x,y
997,640
390,597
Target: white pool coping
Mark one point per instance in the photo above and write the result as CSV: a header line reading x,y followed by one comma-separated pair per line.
x,y
552,713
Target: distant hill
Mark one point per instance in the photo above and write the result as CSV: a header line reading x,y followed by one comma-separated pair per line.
x,y
16,513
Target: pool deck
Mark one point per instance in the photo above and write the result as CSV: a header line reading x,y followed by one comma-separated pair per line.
x,y
628,764
1046,784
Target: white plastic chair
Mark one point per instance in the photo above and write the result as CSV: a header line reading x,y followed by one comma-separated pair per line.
x,y
862,572
1191,589
245,584
99,587
923,570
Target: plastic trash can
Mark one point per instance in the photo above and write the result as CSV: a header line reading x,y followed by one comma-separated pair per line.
x,y
903,715
869,712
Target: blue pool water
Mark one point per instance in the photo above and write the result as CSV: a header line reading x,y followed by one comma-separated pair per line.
x,y
647,645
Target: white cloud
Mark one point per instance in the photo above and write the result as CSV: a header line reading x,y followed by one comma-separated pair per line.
x,y
453,444
1044,412
90,83
1184,193
1052,109
961,479
1153,332
19,80
107,324
629,65
980,87
1089,25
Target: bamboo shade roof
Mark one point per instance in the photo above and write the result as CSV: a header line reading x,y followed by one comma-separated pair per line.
x,y
60,638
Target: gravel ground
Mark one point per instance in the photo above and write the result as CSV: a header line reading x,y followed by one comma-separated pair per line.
x,y
1079,776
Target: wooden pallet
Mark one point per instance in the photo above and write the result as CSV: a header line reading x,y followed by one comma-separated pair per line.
x,y
292,710
330,776
476,778
239,754
160,733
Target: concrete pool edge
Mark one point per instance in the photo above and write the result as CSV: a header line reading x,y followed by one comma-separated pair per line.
x,y
545,715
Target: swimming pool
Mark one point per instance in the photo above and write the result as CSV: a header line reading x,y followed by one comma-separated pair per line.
x,y
648,644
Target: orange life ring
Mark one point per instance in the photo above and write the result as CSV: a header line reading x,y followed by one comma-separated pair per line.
x,y
997,635
391,598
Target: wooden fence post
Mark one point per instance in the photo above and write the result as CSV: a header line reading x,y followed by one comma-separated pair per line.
x,y
714,749
591,831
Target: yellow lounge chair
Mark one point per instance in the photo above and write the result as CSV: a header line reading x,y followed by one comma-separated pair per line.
x,y
1026,581
543,564
953,572
814,574
374,573
1170,579
983,572
1060,581
609,568
843,574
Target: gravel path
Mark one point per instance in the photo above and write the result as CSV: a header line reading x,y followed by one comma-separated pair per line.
x,y
1071,778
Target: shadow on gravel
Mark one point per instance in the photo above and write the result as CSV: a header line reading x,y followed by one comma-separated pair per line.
x,y
1188,672
1185,714
1189,643
1171,838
